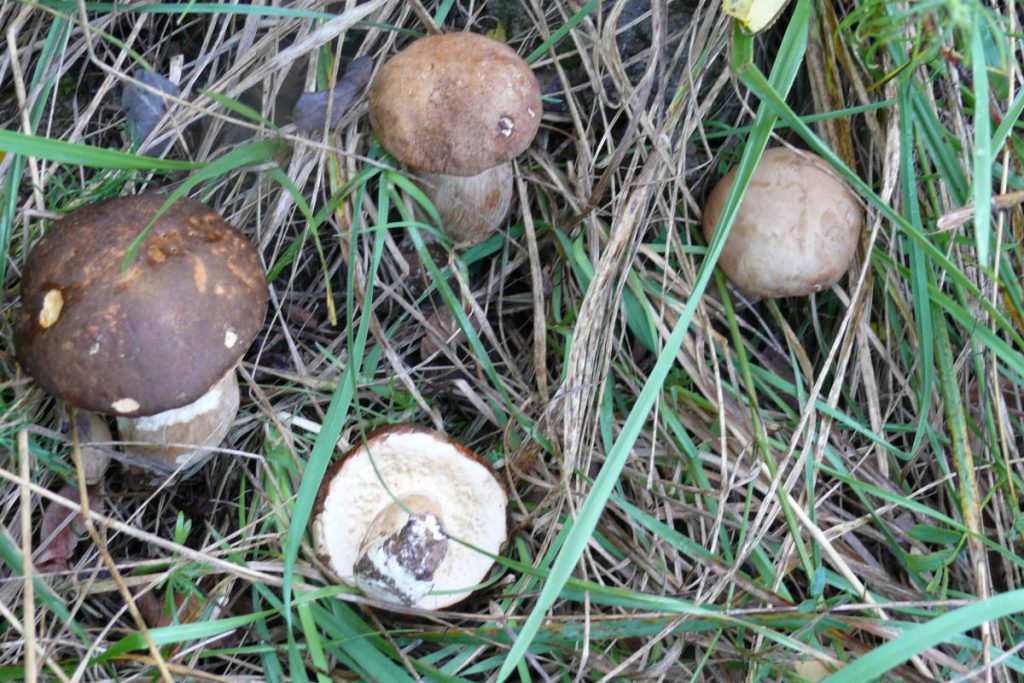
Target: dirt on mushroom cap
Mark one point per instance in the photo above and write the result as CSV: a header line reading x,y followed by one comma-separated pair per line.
x,y
457,103
153,337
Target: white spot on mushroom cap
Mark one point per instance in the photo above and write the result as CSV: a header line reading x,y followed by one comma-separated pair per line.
x,y
125,405
230,338
53,304
471,507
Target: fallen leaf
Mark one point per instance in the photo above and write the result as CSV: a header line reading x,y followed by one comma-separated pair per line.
x,y
61,530
144,109
755,15
310,111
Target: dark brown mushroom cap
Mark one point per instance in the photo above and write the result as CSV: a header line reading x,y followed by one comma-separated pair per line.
x,y
457,103
154,337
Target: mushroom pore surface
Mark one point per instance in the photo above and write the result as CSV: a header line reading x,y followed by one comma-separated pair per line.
x,y
796,230
154,337
456,103
434,477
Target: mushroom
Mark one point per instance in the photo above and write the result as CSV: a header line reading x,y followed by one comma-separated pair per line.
x,y
457,108
796,230
155,344
410,517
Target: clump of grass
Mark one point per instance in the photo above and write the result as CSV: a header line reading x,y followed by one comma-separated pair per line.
x,y
703,486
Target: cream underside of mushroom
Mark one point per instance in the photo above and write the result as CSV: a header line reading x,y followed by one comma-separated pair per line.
x,y
472,508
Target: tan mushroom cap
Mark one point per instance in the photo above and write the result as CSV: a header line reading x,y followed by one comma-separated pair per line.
x,y
154,337
430,473
456,103
797,227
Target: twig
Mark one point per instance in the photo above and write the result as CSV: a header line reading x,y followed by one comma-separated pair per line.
x,y
101,546
28,571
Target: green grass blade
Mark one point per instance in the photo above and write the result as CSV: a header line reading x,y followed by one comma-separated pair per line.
x,y
787,65
337,411
982,185
74,154
918,639
919,269
180,633
186,8
252,153
44,80
562,31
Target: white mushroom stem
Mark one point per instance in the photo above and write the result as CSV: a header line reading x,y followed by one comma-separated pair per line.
x,y
401,551
472,208
185,436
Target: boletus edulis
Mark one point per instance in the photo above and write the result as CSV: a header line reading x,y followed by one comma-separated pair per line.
x,y
457,108
410,517
796,230
155,344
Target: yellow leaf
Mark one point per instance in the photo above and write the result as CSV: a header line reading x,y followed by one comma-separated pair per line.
x,y
498,32
755,15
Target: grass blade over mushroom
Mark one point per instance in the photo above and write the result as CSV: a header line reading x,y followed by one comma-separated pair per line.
x,y
253,153
783,74
341,400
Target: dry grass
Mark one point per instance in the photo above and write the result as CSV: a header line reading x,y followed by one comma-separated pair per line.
x,y
817,476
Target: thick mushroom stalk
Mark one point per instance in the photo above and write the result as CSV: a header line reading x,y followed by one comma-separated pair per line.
x,y
91,430
472,208
183,437
402,551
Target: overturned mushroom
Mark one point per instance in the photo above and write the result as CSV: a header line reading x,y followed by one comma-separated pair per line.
x,y
457,108
796,230
155,344
411,517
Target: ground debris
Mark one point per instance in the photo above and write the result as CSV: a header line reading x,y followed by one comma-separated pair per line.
x,y
310,111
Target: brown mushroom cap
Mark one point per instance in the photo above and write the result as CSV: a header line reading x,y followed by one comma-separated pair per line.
x,y
796,230
154,337
457,103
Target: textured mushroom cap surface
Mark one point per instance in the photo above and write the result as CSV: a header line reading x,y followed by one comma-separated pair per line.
x,y
414,463
796,230
154,337
456,103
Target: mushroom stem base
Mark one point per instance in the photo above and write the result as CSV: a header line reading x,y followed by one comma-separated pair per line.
x,y
402,551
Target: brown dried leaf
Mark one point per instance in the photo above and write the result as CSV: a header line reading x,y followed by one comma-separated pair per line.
x,y
144,109
310,111
61,531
